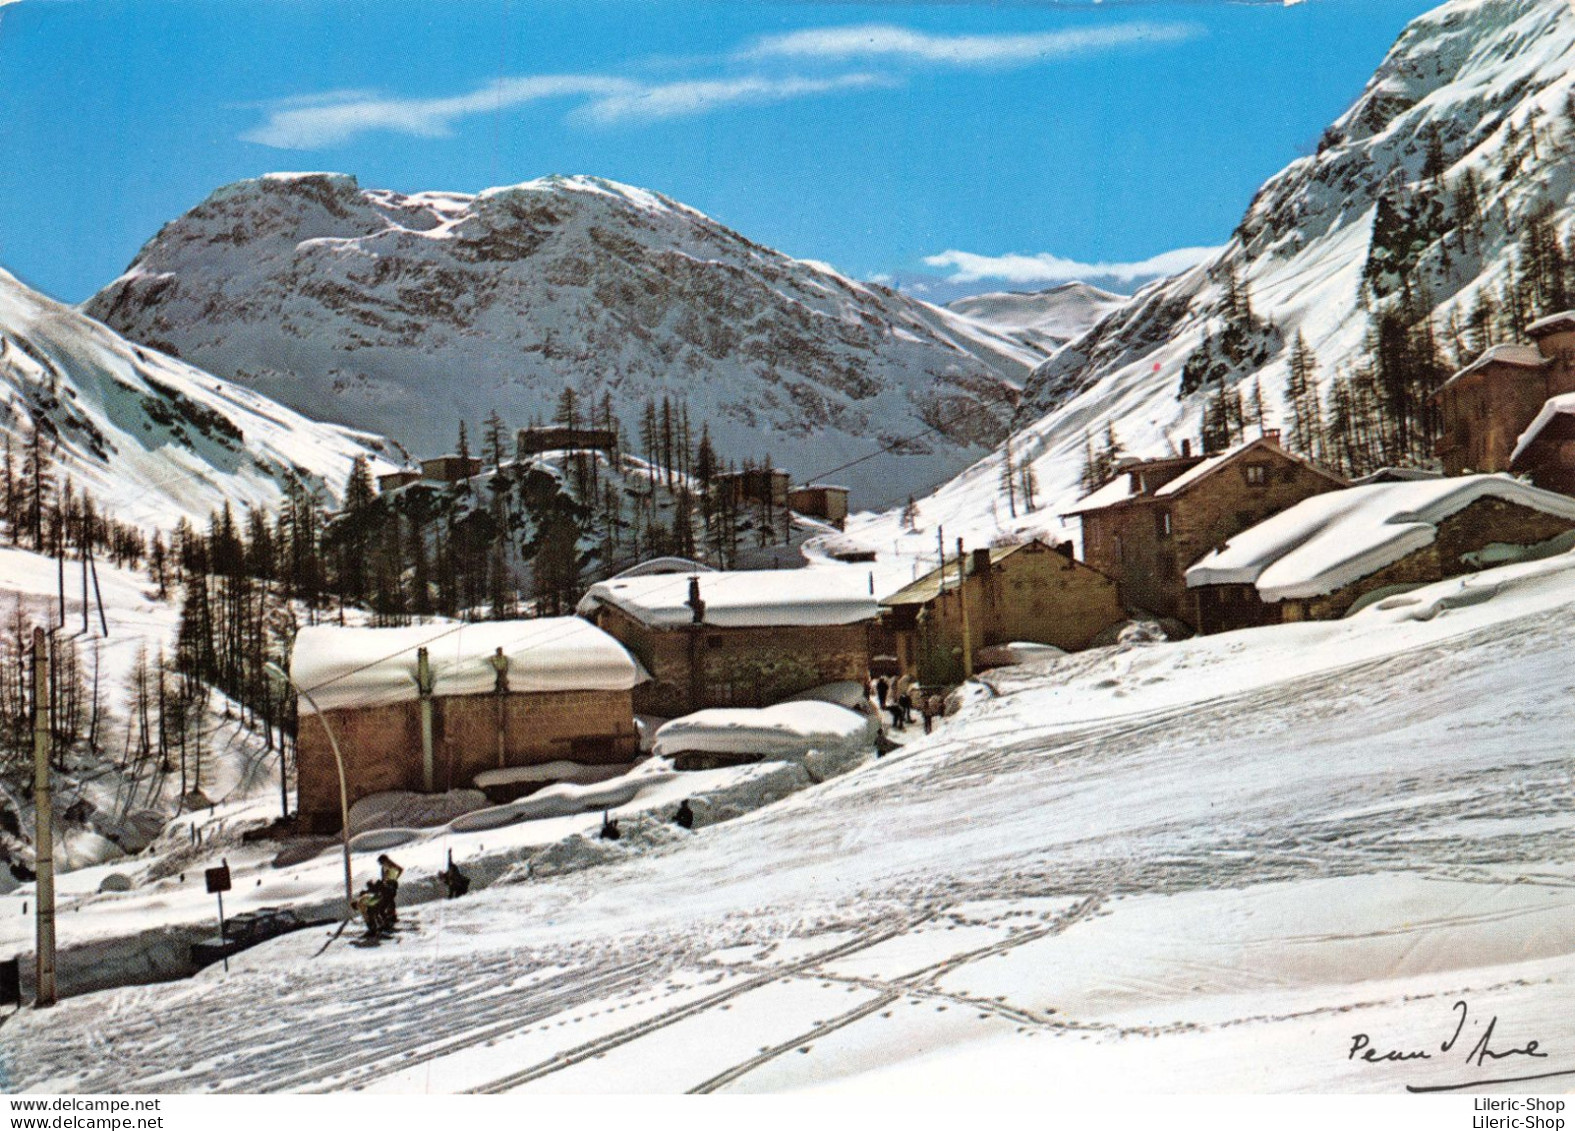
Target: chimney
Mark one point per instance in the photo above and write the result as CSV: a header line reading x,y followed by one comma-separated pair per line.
x,y
695,603
981,562
1272,435
1186,449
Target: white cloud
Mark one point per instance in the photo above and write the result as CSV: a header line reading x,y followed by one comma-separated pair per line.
x,y
890,42
318,121
1046,268
333,118
701,96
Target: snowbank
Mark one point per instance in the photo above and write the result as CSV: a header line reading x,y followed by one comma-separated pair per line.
x,y
365,667
402,809
1017,652
1331,540
788,730
848,693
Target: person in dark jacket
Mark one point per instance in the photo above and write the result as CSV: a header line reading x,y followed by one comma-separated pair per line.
x,y
905,702
455,881
609,829
896,715
389,879
685,817
882,689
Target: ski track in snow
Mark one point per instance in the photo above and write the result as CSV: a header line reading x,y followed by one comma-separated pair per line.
x,y
1434,762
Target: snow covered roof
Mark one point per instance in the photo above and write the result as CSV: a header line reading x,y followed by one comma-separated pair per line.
x,y
1326,542
1561,405
1563,320
656,567
1525,357
1213,463
1118,490
743,598
932,584
368,667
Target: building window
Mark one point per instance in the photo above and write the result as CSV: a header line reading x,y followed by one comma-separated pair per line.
x,y
1162,524
1257,475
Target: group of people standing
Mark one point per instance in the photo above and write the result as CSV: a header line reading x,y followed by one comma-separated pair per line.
x,y
900,699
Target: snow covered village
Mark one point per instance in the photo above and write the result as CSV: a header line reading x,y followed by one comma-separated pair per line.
x,y
542,639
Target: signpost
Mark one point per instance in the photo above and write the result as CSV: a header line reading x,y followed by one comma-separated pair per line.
x,y
219,883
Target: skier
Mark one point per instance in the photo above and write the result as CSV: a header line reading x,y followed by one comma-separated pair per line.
x,y
685,817
390,886
373,906
453,879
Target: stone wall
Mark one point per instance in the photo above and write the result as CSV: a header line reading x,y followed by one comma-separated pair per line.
x,y
382,745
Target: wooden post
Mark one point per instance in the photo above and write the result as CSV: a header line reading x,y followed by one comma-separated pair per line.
x,y
500,692
962,598
424,689
44,836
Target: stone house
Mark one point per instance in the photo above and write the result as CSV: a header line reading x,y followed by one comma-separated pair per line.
x,y
767,486
533,441
1030,592
395,480
1324,556
1487,406
745,638
1545,451
450,468
563,699
822,501
1155,518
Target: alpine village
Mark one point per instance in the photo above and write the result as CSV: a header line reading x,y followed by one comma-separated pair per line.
x,y
383,571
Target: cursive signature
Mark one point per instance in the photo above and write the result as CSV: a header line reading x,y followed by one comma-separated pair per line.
x,y
1482,1052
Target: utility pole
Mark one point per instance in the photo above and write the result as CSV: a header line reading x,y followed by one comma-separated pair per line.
x,y
424,691
44,815
962,603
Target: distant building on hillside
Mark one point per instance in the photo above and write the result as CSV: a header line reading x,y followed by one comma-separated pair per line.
x,y
1155,518
395,480
533,441
1316,560
1031,592
767,486
737,639
562,702
1489,404
450,468
822,501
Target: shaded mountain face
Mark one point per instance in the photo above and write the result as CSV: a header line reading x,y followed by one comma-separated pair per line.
x,y
1046,319
1443,185
151,438
409,313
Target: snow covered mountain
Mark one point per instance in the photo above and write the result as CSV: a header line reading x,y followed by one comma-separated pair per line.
x,y
408,313
1427,187
1046,319
152,438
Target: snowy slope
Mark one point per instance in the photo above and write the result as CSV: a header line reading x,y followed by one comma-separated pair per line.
x,y
1476,71
407,313
1048,319
1199,866
150,437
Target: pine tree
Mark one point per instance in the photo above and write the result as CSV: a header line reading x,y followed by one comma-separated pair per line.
x,y
910,516
1009,476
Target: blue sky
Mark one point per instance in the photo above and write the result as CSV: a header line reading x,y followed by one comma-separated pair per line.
x,y
875,136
